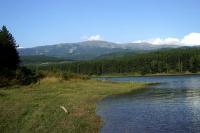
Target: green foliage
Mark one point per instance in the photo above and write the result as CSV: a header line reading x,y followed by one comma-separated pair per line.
x,y
25,76
66,75
10,71
9,57
63,75
22,76
38,59
180,60
6,80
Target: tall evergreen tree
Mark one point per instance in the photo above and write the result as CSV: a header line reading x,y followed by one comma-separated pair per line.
x,y
9,57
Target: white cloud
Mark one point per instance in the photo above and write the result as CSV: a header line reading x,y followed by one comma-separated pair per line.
x,y
189,40
92,38
155,41
138,41
171,41
159,41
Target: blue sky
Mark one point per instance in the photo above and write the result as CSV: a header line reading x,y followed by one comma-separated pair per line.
x,y
44,22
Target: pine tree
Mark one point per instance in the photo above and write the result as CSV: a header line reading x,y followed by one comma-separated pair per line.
x,y
9,57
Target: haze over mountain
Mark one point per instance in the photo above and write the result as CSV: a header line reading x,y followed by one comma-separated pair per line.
x,y
88,49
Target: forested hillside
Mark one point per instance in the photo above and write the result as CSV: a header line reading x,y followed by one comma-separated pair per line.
x,y
185,59
38,59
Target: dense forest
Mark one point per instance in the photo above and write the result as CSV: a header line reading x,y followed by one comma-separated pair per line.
x,y
38,59
179,60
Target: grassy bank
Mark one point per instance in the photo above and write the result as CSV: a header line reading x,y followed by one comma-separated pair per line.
x,y
36,108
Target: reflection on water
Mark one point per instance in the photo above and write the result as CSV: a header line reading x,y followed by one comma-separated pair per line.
x,y
172,106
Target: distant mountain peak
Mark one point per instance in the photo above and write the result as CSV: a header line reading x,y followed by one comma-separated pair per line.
x,y
88,49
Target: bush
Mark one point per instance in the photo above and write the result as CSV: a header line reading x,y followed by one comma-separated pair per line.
x,y
4,81
63,75
6,77
25,76
66,75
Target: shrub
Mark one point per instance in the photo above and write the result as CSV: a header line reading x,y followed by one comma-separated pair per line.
x,y
62,75
6,77
25,76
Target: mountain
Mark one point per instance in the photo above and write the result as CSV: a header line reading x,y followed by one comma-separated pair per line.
x,y
88,50
119,55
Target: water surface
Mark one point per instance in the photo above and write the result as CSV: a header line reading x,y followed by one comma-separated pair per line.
x,y
172,106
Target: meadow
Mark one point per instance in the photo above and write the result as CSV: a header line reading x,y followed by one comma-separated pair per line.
x,y
56,105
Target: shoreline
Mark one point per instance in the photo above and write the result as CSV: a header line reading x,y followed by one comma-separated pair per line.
x,y
146,75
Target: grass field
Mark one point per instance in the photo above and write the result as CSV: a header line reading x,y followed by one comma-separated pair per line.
x,y
36,108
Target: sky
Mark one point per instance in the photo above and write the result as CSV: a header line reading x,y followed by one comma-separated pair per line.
x,y
46,22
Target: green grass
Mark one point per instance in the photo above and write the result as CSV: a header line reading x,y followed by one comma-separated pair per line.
x,y
36,108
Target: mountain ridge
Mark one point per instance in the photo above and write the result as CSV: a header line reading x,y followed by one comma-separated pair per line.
x,y
88,49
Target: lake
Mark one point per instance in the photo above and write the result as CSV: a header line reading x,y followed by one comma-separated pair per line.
x,y
172,106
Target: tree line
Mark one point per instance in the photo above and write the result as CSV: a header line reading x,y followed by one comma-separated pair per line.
x,y
180,60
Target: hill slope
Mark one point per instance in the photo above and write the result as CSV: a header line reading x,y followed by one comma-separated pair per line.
x,y
87,50
38,59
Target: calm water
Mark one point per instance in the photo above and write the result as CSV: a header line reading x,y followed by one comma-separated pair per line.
x,y
172,106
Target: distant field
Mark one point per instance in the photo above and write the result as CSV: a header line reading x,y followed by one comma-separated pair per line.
x,y
36,108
